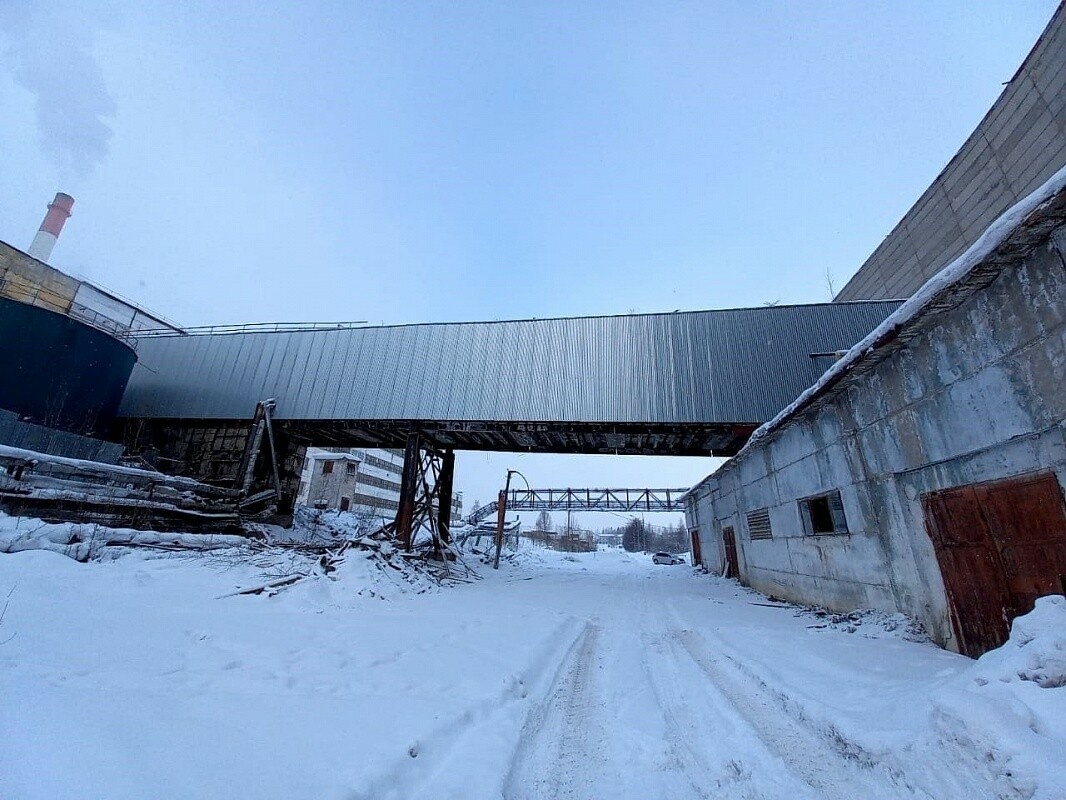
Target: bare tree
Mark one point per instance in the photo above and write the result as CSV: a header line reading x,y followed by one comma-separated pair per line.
x,y
544,522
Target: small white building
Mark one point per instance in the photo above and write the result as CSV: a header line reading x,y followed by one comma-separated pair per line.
x,y
365,482
329,480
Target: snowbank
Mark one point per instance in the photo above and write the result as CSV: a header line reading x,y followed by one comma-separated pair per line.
x,y
1006,714
376,571
1036,650
84,541
948,726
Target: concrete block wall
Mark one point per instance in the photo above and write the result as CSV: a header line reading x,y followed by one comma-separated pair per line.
x,y
329,488
1018,145
375,490
978,394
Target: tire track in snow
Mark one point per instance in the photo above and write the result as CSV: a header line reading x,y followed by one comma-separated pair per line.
x,y
560,752
435,768
712,750
684,731
832,771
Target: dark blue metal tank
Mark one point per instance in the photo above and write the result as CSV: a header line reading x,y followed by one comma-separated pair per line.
x,y
58,371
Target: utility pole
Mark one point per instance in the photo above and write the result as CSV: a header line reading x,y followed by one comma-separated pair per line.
x,y
500,518
501,515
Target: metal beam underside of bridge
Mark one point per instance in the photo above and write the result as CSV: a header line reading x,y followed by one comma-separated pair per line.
x,y
668,439
619,438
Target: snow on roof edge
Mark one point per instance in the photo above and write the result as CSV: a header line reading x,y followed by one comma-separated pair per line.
x,y
333,457
9,451
955,272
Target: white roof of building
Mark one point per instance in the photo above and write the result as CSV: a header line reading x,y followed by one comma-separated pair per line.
x,y
326,455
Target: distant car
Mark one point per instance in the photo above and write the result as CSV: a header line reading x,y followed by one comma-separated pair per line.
x,y
667,558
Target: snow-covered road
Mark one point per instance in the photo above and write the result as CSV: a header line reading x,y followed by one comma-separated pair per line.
x,y
644,705
586,676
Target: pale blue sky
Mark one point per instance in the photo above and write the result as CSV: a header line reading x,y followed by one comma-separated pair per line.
x,y
396,162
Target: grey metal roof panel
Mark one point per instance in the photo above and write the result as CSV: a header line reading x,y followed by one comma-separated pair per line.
x,y
736,365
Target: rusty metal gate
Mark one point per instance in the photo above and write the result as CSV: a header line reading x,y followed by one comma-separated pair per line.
x,y
1000,545
732,566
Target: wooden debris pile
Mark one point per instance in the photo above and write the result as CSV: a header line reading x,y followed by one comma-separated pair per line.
x,y
333,545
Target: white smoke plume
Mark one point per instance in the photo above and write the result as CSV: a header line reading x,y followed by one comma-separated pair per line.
x,y
47,48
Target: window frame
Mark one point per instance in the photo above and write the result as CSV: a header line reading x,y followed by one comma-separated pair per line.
x,y
835,507
327,467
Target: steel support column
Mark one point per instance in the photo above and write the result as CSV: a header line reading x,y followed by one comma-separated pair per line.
x,y
408,489
444,497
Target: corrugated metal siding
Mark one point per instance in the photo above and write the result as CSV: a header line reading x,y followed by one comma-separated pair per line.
x,y
739,365
1020,143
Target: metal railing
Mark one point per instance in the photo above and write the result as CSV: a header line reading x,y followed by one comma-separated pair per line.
x,y
249,327
35,294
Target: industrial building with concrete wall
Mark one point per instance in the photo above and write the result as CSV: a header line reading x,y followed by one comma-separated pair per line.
x,y
1018,145
329,479
924,472
364,482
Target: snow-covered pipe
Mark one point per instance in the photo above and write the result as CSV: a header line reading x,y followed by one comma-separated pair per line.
x,y
45,240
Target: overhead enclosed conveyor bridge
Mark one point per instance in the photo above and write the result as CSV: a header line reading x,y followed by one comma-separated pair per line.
x,y
690,383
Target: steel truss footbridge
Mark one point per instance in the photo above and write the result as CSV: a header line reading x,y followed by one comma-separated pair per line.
x,y
615,500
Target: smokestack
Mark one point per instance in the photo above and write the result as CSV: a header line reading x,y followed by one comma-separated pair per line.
x,y
45,240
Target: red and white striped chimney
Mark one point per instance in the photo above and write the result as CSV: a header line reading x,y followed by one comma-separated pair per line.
x,y
45,240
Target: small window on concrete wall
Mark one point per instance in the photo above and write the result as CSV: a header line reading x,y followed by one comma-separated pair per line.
x,y
352,468
327,467
823,514
759,524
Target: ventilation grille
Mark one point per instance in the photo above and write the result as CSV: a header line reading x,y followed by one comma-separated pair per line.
x,y
759,524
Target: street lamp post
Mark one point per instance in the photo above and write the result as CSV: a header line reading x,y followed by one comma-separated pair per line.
x,y
500,515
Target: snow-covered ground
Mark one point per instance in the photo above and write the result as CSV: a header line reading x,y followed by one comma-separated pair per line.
x,y
562,675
